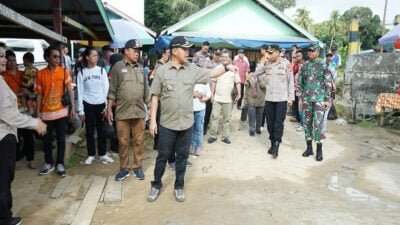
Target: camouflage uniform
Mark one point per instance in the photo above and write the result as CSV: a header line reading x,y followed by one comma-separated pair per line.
x,y
315,87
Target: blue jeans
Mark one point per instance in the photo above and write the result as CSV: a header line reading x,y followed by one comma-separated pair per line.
x,y
197,136
172,142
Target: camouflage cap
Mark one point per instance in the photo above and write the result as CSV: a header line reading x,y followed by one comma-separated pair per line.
x,y
314,47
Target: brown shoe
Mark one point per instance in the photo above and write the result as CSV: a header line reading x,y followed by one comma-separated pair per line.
x,y
293,119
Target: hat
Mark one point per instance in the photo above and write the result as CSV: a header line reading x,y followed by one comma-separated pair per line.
x,y
132,44
314,47
217,52
273,48
241,50
265,47
179,42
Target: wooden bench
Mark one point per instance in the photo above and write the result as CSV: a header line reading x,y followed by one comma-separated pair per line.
x,y
387,101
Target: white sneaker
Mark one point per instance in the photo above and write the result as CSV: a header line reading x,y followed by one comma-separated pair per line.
x,y
89,160
300,129
106,159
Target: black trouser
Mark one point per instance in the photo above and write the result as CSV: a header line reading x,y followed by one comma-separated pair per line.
x,y
114,141
94,119
276,114
239,104
158,115
296,112
176,142
264,116
8,147
207,116
59,125
171,158
29,146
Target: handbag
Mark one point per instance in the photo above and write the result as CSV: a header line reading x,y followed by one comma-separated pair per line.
x,y
332,115
65,101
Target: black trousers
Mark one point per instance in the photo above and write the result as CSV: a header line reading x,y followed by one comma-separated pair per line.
x,y
207,116
59,125
8,149
171,158
239,104
296,112
172,142
276,114
94,119
29,146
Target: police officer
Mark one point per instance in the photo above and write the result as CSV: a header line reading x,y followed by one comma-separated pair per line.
x,y
279,93
315,88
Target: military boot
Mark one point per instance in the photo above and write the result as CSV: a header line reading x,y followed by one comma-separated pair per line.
x,y
309,150
275,149
319,152
270,148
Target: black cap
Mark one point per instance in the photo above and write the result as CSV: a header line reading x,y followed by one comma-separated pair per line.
x,y
314,47
179,42
241,50
132,44
273,48
333,48
206,43
264,46
217,52
106,48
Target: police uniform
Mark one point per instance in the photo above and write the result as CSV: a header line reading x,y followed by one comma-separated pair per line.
x,y
279,90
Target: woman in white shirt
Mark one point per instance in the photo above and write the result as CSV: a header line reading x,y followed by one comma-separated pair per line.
x,y
93,86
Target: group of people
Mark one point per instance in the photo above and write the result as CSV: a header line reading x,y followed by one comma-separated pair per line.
x,y
182,101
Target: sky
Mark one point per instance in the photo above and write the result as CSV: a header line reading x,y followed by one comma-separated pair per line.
x,y
321,9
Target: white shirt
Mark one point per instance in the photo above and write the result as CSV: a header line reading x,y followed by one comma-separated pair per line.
x,y
92,87
205,90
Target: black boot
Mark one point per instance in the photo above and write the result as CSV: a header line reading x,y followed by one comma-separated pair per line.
x,y
275,149
309,150
270,148
319,152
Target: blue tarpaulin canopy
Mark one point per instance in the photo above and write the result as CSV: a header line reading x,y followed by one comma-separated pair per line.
x,y
391,36
163,42
125,30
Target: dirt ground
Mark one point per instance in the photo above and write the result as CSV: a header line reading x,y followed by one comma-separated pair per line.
x,y
240,184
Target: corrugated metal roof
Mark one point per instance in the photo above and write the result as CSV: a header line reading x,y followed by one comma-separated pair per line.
x,y
242,19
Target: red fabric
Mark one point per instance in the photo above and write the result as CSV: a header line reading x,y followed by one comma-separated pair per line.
x,y
397,44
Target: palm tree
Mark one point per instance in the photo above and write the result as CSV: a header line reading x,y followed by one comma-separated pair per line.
x,y
189,7
302,18
334,25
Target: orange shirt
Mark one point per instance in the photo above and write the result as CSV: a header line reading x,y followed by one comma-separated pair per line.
x,y
13,81
50,85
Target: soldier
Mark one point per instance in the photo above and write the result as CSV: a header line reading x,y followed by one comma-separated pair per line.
x,y
279,93
315,88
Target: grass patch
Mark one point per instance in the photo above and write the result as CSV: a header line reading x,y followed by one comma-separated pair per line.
x,y
366,123
73,161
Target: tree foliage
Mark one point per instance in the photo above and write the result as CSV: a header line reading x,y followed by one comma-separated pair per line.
x,y
159,15
370,26
282,4
303,18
